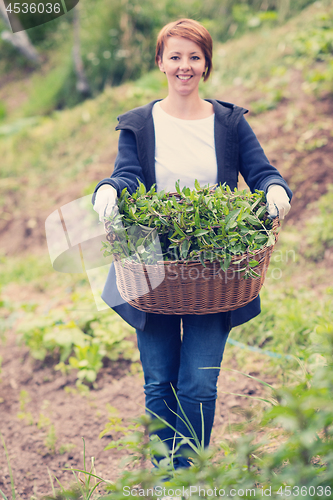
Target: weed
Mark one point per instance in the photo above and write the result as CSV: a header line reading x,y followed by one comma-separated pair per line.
x,y
86,482
43,421
66,448
24,399
10,471
51,440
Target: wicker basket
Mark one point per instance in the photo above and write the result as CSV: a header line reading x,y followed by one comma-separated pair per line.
x,y
191,288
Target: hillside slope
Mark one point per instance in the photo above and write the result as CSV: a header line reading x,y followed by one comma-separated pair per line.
x,y
48,161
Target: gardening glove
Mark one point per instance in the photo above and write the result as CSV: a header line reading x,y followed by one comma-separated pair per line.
x,y
277,201
106,197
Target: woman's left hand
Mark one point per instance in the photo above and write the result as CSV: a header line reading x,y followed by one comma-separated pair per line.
x,y
277,201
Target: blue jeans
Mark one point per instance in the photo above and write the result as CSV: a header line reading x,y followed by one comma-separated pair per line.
x,y
167,359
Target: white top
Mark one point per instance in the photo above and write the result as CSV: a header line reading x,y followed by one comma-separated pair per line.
x,y
184,149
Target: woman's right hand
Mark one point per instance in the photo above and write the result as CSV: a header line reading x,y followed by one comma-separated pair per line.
x,y
106,197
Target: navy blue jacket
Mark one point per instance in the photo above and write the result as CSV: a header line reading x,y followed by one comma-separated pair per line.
x,y
237,150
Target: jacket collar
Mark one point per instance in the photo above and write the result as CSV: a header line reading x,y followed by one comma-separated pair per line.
x,y
138,118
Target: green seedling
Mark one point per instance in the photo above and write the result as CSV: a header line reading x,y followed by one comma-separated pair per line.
x,y
23,414
88,362
10,472
51,440
86,482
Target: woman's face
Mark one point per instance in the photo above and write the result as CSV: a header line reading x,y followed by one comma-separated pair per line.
x,y
183,62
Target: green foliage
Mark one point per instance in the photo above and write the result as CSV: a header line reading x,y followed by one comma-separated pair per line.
x,y
23,270
301,464
39,34
273,95
317,41
313,50
305,412
78,339
284,329
88,361
118,40
202,224
49,93
51,335
3,111
319,239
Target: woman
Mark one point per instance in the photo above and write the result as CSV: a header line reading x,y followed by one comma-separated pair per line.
x,y
185,137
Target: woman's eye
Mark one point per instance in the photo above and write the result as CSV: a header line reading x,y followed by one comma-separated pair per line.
x,y
195,58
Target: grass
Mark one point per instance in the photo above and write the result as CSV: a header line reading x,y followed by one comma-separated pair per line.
x,y
9,470
24,270
261,54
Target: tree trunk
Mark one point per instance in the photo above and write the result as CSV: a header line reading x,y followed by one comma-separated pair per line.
x,y
19,40
82,84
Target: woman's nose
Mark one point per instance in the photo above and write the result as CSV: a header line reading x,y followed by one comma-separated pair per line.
x,y
185,64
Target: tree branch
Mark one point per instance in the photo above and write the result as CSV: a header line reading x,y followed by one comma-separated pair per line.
x,y
19,40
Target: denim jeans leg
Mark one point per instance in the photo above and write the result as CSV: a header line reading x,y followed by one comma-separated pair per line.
x,y
159,345
204,339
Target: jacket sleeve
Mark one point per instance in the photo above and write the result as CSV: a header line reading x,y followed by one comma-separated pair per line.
x,y
127,168
254,165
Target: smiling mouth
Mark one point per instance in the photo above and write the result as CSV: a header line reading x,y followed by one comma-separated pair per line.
x,y
184,78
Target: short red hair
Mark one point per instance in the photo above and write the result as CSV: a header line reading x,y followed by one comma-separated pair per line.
x,y
192,30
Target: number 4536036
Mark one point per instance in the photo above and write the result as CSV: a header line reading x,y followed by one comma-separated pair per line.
x,y
32,8
297,491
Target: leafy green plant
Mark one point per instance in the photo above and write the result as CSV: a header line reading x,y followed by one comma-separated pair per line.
x,y
78,339
88,362
198,225
51,334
